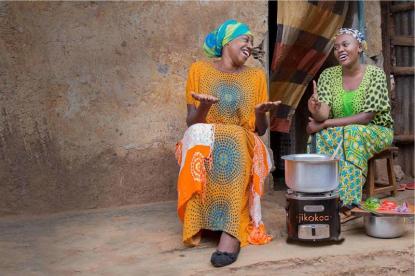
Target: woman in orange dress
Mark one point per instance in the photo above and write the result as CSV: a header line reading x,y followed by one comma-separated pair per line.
x,y
223,163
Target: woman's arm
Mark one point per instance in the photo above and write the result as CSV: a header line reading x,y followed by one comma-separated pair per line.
x,y
198,114
261,120
362,118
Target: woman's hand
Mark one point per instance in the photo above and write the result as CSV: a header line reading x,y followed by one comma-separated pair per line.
x,y
205,99
313,126
313,103
265,107
198,114
261,121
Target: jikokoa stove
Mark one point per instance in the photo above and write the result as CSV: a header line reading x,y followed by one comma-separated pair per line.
x,y
313,201
313,216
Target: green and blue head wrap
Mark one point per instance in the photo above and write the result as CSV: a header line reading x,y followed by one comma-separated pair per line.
x,y
224,34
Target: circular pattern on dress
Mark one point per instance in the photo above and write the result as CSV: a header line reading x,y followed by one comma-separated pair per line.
x,y
226,161
237,94
230,98
218,214
198,167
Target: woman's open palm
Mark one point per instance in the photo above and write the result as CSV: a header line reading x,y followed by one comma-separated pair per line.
x,y
205,99
267,106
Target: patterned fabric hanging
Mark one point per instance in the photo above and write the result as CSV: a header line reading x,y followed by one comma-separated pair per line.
x,y
304,40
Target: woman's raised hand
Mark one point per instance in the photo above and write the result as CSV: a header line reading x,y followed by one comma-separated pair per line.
x,y
313,102
267,106
205,99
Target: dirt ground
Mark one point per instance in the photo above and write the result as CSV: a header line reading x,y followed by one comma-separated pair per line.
x,y
146,239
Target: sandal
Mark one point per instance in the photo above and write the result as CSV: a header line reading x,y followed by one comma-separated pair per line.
x,y
401,187
410,186
220,258
346,216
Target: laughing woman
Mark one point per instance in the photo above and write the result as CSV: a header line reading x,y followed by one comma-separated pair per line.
x,y
223,163
350,106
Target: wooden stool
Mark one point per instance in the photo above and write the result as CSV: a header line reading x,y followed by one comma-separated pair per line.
x,y
386,187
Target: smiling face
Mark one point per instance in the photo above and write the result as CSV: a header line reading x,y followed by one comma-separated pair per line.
x,y
239,49
347,50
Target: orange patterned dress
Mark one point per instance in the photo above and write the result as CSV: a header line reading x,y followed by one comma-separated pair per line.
x,y
223,163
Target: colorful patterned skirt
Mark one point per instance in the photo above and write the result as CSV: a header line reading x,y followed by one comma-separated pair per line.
x,y
359,144
220,180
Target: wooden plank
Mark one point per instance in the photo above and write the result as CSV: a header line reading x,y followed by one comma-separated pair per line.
x,y
403,139
386,48
381,190
400,40
386,153
406,159
402,7
399,70
391,175
381,182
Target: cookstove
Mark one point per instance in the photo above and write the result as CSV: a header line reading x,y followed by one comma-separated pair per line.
x,y
313,217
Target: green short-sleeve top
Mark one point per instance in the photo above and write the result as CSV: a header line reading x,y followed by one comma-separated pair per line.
x,y
370,96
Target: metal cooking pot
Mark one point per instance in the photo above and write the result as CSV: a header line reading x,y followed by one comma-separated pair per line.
x,y
311,173
384,227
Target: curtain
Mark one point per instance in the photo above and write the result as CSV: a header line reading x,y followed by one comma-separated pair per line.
x,y
304,40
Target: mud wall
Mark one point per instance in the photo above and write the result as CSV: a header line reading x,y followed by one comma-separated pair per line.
x,y
91,98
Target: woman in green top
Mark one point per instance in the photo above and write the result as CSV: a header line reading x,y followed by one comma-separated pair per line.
x,y
350,105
